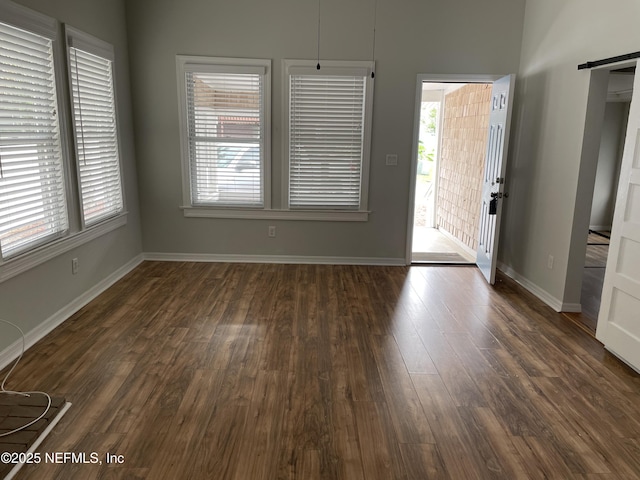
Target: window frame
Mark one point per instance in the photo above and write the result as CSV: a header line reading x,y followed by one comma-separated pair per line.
x,y
192,63
39,24
330,67
76,234
88,43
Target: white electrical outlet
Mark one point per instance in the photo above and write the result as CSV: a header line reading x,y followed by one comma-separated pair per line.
x,y
392,159
74,266
272,230
550,262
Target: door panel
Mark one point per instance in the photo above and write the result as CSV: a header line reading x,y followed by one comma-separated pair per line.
x,y
619,319
495,167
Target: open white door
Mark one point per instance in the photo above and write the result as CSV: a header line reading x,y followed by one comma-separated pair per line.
x,y
493,181
619,318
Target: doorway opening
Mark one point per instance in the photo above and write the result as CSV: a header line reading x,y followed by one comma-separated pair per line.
x,y
607,176
452,121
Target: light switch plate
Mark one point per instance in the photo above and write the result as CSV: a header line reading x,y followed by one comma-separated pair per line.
x,y
392,159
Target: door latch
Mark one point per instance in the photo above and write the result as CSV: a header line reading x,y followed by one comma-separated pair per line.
x,y
493,203
493,206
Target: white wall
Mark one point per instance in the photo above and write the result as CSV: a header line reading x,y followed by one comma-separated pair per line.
x,y
550,115
413,37
35,296
608,172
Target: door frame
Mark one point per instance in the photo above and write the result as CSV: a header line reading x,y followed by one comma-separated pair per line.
x,y
594,121
435,78
440,94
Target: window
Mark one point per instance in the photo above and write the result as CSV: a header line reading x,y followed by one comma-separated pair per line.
x,y
33,208
328,140
225,129
94,126
41,215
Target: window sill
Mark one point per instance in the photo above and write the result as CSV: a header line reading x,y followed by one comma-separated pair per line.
x,y
263,214
32,258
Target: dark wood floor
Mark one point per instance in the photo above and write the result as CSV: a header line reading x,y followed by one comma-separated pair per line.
x,y
592,281
239,371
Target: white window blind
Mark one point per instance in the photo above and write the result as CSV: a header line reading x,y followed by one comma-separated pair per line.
x,y
96,138
326,139
226,135
32,191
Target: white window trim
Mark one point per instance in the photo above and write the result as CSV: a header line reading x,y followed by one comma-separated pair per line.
x,y
84,41
43,25
277,214
185,63
25,18
32,258
88,43
336,67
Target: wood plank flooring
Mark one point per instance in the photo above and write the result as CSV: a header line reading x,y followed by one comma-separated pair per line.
x,y
592,281
248,372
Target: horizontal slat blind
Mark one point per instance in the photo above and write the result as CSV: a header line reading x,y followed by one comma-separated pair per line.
x,y
326,128
32,193
225,114
95,135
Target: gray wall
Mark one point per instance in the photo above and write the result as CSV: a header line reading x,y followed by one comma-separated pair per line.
x,y
547,208
454,37
34,296
608,173
544,43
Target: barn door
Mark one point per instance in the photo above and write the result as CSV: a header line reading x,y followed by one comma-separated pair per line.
x,y
493,181
619,319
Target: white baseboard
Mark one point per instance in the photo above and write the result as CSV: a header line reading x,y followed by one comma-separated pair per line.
x,y
10,353
571,307
539,292
292,259
600,228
